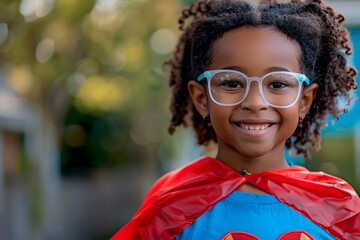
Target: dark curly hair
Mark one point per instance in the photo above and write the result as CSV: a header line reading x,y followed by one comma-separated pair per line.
x,y
312,23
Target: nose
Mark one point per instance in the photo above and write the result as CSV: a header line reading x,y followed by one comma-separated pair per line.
x,y
254,100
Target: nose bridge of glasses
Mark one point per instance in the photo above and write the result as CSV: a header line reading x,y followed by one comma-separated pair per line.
x,y
254,79
252,91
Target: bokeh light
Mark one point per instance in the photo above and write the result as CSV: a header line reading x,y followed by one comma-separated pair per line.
x,y
73,83
163,41
101,94
106,5
21,79
3,32
87,67
9,104
44,50
34,9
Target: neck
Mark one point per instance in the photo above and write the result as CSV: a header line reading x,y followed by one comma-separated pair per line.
x,y
253,164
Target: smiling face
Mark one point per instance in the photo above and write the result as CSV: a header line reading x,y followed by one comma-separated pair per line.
x,y
253,132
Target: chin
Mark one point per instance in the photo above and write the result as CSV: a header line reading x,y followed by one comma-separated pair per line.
x,y
253,152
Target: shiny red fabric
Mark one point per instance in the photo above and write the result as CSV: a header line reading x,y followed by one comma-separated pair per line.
x,y
181,196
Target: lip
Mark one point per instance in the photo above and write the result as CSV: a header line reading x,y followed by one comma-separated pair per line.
x,y
254,123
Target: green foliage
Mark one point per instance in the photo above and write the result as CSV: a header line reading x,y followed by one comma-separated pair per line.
x,y
99,59
337,158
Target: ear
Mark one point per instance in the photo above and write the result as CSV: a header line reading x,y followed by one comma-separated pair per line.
x,y
198,96
307,98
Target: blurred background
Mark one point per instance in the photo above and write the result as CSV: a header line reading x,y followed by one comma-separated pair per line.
x,y
84,113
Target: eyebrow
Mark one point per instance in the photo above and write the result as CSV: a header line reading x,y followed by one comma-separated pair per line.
x,y
270,69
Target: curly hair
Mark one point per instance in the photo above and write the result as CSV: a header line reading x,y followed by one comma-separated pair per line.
x,y
313,24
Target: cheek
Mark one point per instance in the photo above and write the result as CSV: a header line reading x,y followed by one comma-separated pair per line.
x,y
219,116
290,118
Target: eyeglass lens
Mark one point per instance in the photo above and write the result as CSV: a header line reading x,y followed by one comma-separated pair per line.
x,y
279,89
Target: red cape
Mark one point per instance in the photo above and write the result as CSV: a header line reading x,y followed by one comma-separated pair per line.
x,y
177,199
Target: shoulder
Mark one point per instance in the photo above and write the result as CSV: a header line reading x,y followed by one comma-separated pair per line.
x,y
327,200
303,174
330,181
321,183
186,171
341,203
201,171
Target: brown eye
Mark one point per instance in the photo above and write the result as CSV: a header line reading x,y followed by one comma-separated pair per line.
x,y
231,84
277,85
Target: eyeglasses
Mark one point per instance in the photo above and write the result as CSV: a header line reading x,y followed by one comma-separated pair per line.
x,y
230,87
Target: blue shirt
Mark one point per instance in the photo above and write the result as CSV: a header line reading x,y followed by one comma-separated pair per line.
x,y
261,215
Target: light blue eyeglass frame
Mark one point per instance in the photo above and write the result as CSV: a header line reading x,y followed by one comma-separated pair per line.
x,y
209,74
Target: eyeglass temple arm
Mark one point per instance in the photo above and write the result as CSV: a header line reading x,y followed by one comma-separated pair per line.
x,y
305,79
203,75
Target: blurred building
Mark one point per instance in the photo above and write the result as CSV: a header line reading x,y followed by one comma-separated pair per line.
x,y
24,144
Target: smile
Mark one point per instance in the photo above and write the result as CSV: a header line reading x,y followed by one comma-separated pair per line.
x,y
254,127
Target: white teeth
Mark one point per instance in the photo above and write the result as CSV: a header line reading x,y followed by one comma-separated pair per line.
x,y
259,127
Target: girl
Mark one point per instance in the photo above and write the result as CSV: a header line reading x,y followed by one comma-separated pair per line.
x,y
256,79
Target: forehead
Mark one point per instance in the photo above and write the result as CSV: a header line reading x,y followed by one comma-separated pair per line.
x,y
256,49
